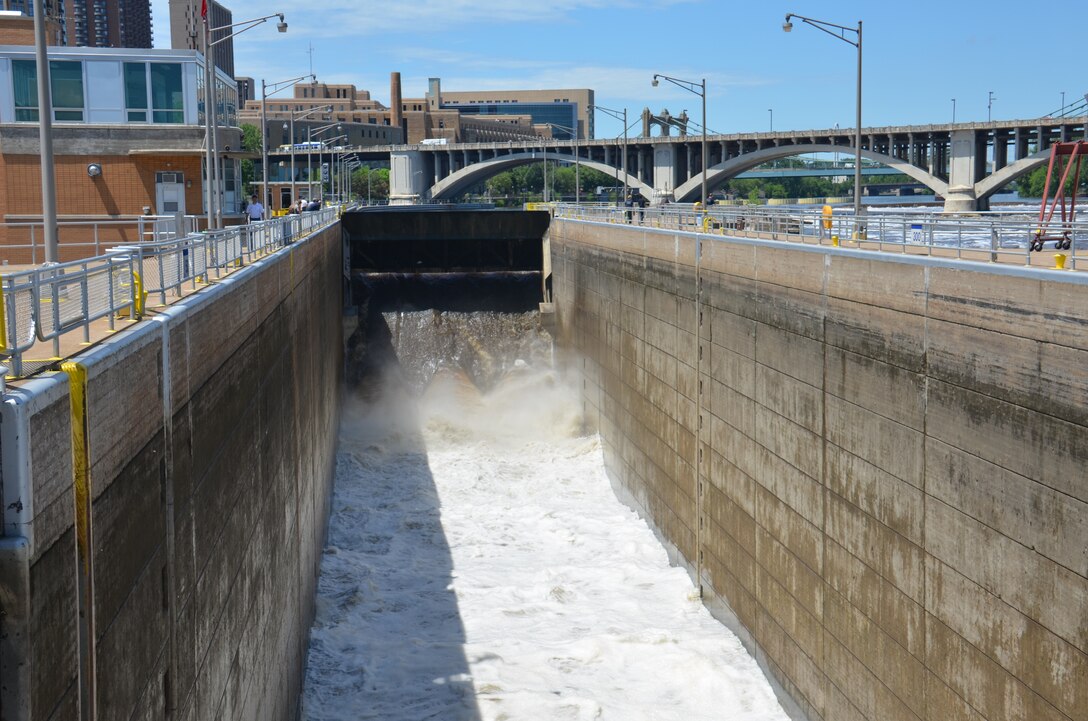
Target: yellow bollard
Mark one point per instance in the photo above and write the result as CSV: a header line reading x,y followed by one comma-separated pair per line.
x,y
835,241
1059,261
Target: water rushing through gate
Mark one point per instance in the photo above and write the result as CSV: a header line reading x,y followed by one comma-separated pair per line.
x,y
478,564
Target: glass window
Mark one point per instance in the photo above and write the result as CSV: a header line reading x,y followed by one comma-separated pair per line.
x,y
167,96
25,77
66,82
136,91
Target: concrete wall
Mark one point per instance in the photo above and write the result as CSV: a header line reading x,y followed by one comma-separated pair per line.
x,y
211,449
891,504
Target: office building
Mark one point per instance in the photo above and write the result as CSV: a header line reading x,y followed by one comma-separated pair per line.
x,y
187,30
96,23
561,110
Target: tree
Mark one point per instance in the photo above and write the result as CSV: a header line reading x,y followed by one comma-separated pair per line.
x,y
251,143
370,183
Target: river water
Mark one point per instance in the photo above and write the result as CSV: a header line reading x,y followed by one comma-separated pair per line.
x,y
479,566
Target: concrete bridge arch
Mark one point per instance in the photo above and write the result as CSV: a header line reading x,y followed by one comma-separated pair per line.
x,y
460,181
995,182
691,190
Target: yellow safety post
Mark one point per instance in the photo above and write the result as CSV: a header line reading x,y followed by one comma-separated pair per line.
x,y
81,482
1059,261
835,241
3,319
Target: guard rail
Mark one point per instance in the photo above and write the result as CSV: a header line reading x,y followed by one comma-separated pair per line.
x,y
1005,238
40,306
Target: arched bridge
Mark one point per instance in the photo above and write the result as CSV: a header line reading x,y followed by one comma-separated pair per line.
x,y
964,163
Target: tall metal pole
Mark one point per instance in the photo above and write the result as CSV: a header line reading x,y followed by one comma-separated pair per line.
x,y
771,126
625,188
544,145
857,144
45,136
265,200
704,136
292,141
953,111
309,171
209,211
213,109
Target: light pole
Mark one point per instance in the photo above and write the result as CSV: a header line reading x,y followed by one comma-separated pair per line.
x,y
700,90
316,134
771,111
278,86
622,117
291,127
989,106
211,106
45,136
841,35
573,145
953,111
309,155
1063,102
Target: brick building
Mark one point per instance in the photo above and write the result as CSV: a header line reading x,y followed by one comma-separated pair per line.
x,y
128,138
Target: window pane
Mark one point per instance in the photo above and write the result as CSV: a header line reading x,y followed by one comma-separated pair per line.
x,y
166,90
135,85
68,114
137,116
169,116
25,78
31,115
66,80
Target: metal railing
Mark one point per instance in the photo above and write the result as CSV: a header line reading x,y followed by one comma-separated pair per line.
x,y
38,307
24,242
1005,237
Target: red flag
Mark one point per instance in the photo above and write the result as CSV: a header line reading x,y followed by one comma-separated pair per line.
x,y
204,9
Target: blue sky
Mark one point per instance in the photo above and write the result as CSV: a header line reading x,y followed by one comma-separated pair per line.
x,y
918,55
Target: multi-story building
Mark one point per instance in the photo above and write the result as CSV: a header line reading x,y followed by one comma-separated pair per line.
x,y
96,23
247,89
128,137
367,122
560,110
187,30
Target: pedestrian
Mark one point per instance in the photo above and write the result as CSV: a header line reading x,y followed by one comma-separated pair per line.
x,y
255,210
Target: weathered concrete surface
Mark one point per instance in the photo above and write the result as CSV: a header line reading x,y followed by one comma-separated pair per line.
x,y
212,435
894,506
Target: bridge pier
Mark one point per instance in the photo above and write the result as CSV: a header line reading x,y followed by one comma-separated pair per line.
x,y
664,174
962,173
407,177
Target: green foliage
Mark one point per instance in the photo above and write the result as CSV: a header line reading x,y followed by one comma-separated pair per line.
x,y
1033,184
251,138
378,179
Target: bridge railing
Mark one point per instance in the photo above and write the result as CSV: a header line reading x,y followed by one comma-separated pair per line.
x,y
1006,238
40,307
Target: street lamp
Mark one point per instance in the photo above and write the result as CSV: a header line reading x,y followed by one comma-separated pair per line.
x,y
573,145
1063,102
277,87
622,117
211,106
310,135
45,136
841,35
700,90
953,111
291,127
771,111
989,105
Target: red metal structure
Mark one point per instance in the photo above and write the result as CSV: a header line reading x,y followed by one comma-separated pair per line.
x,y
1065,158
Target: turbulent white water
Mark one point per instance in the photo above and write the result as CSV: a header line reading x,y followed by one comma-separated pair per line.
x,y
480,567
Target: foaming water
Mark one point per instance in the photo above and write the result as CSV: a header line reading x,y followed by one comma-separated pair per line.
x,y
479,566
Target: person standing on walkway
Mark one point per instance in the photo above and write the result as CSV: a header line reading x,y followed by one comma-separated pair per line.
x,y
255,210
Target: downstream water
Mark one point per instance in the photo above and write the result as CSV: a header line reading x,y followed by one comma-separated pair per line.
x,y
479,565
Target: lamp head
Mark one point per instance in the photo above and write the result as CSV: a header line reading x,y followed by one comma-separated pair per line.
x,y
281,25
654,83
285,125
787,26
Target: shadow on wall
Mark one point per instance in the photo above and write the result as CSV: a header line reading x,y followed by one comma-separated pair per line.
x,y
388,639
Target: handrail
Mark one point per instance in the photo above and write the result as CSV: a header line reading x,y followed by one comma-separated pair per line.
x,y
43,304
999,238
